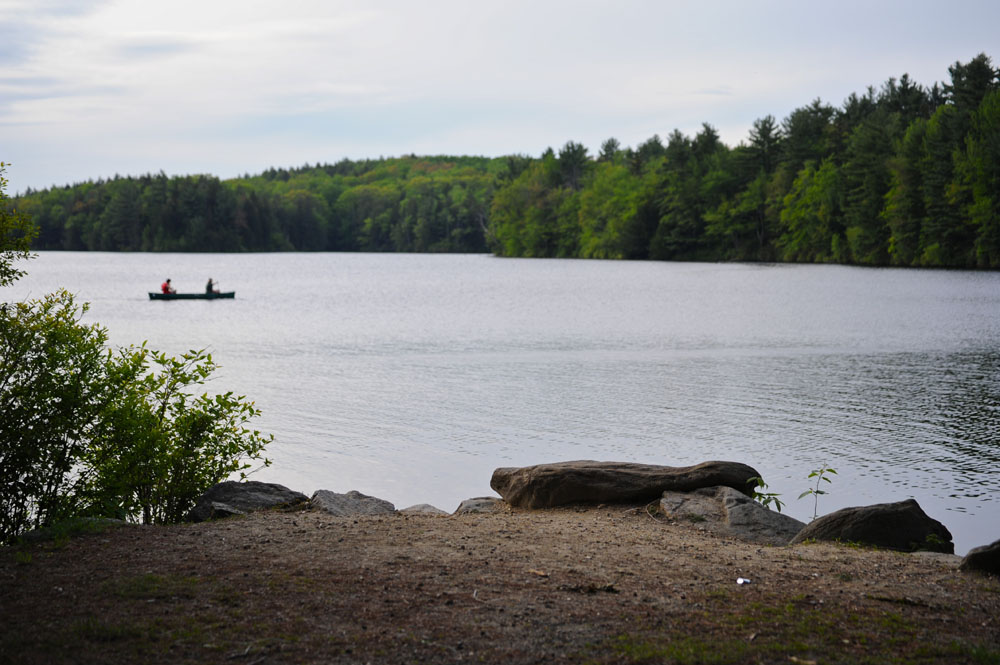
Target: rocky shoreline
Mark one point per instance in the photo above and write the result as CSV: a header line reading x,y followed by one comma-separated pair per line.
x,y
715,493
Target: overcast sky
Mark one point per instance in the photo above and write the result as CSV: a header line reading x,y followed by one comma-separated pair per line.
x,y
90,89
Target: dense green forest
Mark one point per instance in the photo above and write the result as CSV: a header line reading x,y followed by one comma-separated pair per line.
x,y
408,204
899,175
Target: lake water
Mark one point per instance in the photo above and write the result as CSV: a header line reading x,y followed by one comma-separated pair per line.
x,y
411,377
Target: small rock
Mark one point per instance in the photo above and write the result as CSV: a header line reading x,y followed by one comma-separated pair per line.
x,y
480,504
902,526
724,510
219,510
423,509
697,507
352,503
751,521
237,498
984,559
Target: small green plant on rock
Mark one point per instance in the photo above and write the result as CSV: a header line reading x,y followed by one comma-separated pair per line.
x,y
763,497
821,475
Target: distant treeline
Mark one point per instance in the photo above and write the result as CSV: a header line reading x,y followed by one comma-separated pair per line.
x,y
900,175
409,204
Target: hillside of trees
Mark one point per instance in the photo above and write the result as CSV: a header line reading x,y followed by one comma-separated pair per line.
x,y
407,204
899,175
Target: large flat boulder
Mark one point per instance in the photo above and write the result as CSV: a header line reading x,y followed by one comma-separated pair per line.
x,y
727,512
238,498
984,559
902,526
351,503
548,485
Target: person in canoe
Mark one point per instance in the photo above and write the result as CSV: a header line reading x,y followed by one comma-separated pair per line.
x,y
166,287
211,287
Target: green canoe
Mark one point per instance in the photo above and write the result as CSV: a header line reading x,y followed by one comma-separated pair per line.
x,y
191,296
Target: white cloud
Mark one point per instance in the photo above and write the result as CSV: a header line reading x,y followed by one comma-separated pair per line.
x,y
220,86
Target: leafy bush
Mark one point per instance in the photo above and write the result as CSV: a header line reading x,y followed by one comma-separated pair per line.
x,y
156,447
16,233
53,379
86,431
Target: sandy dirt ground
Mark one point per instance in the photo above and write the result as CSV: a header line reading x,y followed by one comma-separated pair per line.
x,y
607,584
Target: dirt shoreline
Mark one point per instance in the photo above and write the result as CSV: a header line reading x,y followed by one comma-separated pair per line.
x,y
607,584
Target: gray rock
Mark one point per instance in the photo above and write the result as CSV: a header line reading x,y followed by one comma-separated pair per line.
x,y
218,510
480,504
237,498
902,526
548,485
751,521
423,509
725,511
984,559
701,505
352,503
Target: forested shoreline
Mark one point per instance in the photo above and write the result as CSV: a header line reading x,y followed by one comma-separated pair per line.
x,y
900,175
407,204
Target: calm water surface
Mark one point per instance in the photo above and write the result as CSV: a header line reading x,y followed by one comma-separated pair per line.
x,y
411,377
